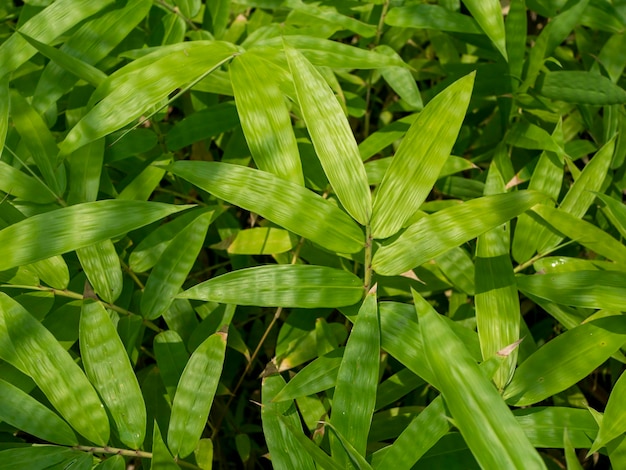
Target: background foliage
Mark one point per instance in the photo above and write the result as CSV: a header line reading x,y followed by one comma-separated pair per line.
x,y
353,234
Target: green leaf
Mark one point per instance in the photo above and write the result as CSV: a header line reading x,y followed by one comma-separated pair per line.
x,y
77,67
22,411
131,91
357,380
614,421
420,158
581,87
45,26
194,395
262,241
281,426
109,370
303,286
171,357
17,183
565,360
35,457
496,300
431,17
150,249
488,14
74,227
144,184
590,289
85,167
161,457
264,117
55,372
39,141
5,107
173,267
544,426
583,232
615,211
286,204
486,423
331,15
115,462
437,233
332,137
401,80
102,267
319,375
91,43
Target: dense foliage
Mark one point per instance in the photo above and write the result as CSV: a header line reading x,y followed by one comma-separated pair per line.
x,y
312,234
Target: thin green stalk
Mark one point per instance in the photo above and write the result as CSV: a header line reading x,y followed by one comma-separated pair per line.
x,y
129,453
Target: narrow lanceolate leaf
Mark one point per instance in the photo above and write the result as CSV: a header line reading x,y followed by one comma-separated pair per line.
x,y
262,241
583,232
109,370
23,412
581,87
431,17
194,395
74,227
102,267
150,249
565,360
38,139
401,80
55,372
299,285
131,91
19,184
286,204
615,211
488,14
5,106
580,195
45,26
420,158
416,439
265,118
85,166
355,392
173,266
91,43
485,421
281,426
36,457
496,300
171,356
589,289
319,375
161,457
437,233
614,421
332,137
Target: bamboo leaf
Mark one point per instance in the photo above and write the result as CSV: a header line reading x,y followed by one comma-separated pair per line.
x,y
589,289
55,372
616,212
565,360
420,158
581,87
357,380
194,395
303,286
17,183
161,457
171,357
22,411
45,26
74,227
281,426
129,92
150,249
5,107
109,370
401,80
85,167
173,267
265,119
91,43
437,233
286,204
262,241
486,423
35,457
544,425
332,137
614,420
38,139
102,267
319,375
488,14
583,232
144,184
431,17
